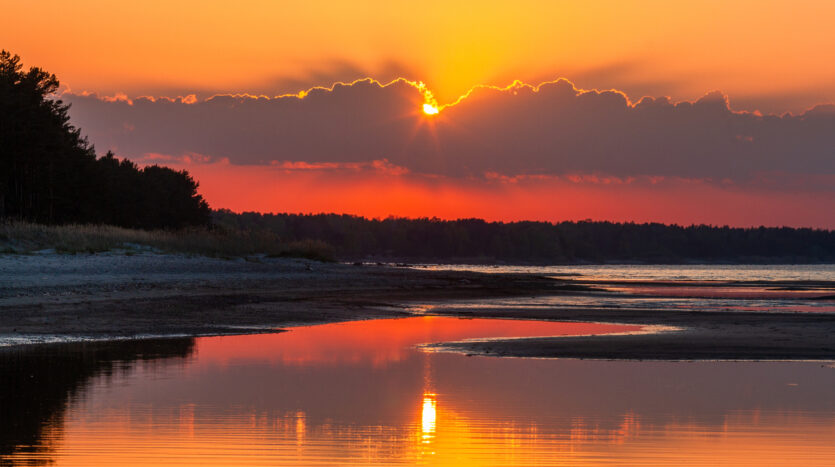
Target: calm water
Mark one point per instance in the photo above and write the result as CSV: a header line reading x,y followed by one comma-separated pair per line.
x,y
759,288
665,272
615,302
363,393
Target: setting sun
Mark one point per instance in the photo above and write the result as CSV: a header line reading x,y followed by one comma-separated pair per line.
x,y
259,166
430,109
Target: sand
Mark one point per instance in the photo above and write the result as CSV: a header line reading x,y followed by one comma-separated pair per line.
x,y
59,298
49,297
695,336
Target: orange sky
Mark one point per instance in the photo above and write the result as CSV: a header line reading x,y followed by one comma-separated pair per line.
x,y
772,56
255,188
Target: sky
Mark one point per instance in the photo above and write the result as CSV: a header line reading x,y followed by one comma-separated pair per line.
x,y
688,112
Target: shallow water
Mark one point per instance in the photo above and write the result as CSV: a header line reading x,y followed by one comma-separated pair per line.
x,y
664,272
363,393
752,288
615,302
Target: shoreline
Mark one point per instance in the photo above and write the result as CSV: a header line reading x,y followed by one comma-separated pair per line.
x,y
701,335
101,296
681,345
117,297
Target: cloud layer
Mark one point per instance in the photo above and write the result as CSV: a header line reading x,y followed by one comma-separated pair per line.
x,y
550,130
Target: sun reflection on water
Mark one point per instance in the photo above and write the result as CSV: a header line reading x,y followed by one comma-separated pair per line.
x,y
301,428
428,416
269,400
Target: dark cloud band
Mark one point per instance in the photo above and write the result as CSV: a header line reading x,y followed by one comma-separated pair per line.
x,y
553,129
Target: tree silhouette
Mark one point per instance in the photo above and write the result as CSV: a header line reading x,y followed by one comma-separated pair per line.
x,y
42,156
50,174
540,242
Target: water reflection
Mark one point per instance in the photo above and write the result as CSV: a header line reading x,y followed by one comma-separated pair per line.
x,y
662,272
283,399
428,416
38,382
710,299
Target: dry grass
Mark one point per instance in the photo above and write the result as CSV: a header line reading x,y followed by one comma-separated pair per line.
x,y
24,237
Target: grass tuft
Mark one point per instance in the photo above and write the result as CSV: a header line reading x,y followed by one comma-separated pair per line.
x,y
24,237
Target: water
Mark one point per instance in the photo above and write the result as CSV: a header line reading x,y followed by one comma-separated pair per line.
x,y
663,272
755,288
363,393
615,302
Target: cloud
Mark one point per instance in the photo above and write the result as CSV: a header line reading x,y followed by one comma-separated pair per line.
x,y
296,76
553,129
635,77
333,71
778,102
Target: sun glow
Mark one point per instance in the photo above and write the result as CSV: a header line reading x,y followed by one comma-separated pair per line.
x,y
430,109
428,417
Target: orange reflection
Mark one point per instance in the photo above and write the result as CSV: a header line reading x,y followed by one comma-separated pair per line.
x,y
440,421
457,439
428,417
378,342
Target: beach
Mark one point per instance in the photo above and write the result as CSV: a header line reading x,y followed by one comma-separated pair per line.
x,y
48,297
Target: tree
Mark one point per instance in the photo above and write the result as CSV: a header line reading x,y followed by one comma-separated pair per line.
x,y
49,173
43,158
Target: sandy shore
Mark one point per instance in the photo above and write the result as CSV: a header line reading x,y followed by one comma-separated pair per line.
x,y
46,298
54,298
697,336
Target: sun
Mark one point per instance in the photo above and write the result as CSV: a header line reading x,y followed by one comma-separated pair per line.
x,y
430,109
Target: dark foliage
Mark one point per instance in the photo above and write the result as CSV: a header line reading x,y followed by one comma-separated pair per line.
x,y
50,174
541,242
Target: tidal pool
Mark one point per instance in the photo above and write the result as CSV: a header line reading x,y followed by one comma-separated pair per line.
x,y
363,393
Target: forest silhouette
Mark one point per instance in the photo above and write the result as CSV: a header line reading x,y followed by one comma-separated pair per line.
x,y
468,240
49,173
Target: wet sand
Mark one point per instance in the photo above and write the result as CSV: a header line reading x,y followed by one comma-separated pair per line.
x,y
697,336
44,298
47,298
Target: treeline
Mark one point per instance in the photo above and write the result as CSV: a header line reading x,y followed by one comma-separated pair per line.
x,y
539,242
50,174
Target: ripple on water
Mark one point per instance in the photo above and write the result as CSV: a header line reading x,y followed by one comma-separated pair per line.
x,y
362,393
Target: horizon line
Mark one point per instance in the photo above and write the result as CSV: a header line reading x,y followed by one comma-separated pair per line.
x,y
551,222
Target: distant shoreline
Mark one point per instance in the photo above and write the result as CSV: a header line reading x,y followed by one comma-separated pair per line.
x,y
352,239
116,296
